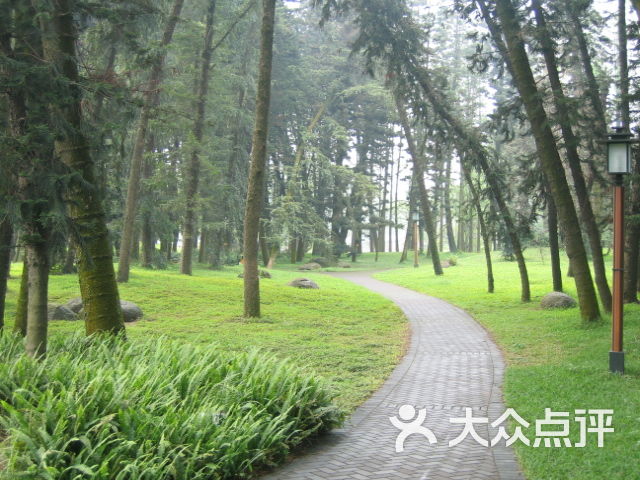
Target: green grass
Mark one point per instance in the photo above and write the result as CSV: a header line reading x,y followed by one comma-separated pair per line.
x,y
554,361
350,336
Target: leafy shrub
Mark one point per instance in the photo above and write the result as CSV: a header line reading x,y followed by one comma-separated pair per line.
x,y
453,261
152,410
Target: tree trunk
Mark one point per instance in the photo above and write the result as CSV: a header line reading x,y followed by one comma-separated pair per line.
x,y
554,244
632,238
193,168
424,194
150,99
451,239
550,159
148,238
37,322
468,142
6,240
571,148
483,230
258,164
98,285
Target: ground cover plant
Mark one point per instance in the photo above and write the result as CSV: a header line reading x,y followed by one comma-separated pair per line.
x,y
554,360
153,409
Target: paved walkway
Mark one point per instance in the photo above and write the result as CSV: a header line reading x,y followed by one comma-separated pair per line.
x,y
451,364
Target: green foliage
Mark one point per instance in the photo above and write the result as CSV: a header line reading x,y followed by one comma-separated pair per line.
x,y
105,409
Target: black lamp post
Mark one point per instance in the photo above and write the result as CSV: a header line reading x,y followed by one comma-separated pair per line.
x,y
618,164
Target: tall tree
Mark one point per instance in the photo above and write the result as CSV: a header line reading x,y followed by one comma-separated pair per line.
x,y
96,274
258,163
149,100
571,148
549,158
193,168
418,165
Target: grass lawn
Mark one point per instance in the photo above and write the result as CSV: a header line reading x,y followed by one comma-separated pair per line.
x,y
351,337
554,361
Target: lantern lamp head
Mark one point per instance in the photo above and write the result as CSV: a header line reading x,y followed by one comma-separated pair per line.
x,y
415,217
619,151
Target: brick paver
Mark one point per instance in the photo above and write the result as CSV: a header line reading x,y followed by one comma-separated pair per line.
x,y
451,364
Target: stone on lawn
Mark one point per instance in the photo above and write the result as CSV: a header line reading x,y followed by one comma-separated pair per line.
x,y
344,265
130,311
60,312
75,304
557,300
445,264
323,262
303,283
310,266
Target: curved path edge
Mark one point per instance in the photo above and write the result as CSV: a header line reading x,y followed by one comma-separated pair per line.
x,y
451,363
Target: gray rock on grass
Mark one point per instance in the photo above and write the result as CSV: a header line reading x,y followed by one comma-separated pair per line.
x,y
303,283
557,300
310,266
60,312
130,311
75,304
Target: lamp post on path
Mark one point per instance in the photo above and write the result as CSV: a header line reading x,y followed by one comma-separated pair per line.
x,y
618,164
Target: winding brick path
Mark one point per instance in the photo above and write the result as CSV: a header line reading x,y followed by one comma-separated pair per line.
x,y
451,364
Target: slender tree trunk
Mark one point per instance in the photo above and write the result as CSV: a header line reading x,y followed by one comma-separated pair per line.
x,y
550,159
483,230
37,322
258,164
6,240
451,239
554,244
424,194
571,148
147,235
469,142
150,99
98,285
193,168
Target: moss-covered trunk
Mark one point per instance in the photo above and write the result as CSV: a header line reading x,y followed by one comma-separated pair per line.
x,y
549,158
96,274
571,148
255,188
